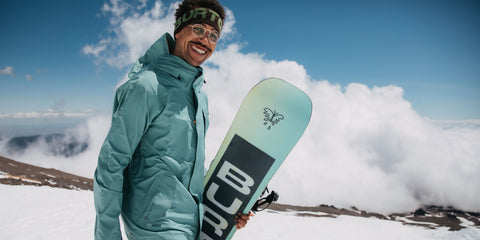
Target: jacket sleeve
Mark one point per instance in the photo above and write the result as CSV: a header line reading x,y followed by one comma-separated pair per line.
x,y
129,121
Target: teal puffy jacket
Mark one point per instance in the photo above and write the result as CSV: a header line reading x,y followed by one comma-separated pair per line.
x,y
151,165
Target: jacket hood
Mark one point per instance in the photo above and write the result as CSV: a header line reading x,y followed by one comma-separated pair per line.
x,y
162,48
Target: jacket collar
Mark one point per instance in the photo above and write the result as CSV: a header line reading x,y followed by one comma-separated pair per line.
x,y
159,56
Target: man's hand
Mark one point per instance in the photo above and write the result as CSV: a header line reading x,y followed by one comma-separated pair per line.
x,y
242,219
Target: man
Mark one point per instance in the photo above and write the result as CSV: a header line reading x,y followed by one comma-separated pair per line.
x,y
151,165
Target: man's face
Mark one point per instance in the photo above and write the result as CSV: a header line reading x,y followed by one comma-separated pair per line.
x,y
191,49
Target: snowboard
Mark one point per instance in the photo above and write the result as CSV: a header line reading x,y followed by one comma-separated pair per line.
x,y
268,124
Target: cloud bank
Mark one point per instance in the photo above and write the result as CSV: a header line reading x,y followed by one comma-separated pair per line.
x,y
48,114
364,147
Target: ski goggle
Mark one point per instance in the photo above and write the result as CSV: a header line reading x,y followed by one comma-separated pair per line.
x,y
199,31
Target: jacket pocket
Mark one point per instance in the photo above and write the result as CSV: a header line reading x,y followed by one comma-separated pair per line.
x,y
159,200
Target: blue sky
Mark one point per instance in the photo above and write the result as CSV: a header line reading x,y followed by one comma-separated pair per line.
x,y
430,48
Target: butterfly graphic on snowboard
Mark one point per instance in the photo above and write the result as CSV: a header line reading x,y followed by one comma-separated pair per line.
x,y
272,117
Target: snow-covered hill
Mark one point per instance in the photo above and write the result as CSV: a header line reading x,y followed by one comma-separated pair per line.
x,y
32,212
50,205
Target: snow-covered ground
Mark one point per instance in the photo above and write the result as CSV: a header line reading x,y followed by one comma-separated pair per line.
x,y
28,212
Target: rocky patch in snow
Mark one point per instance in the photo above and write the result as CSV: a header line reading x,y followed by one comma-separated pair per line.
x,y
17,173
431,217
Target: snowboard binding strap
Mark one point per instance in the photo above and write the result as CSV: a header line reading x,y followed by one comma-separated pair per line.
x,y
264,202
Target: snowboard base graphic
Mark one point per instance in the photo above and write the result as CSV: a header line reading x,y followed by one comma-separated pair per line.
x,y
268,124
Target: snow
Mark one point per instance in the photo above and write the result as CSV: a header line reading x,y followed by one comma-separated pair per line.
x,y
288,226
29,212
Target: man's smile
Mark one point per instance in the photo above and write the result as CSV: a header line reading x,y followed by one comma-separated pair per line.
x,y
199,48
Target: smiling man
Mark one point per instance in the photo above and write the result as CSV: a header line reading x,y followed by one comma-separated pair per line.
x,y
151,165
196,32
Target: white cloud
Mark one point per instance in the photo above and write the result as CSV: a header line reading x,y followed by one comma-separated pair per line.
x,y
364,146
228,29
95,50
134,28
29,77
8,70
48,114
